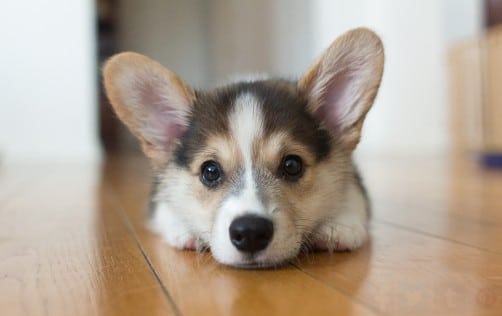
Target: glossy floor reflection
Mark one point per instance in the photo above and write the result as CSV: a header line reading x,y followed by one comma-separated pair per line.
x,y
72,242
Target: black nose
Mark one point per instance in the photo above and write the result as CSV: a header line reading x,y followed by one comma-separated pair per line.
x,y
251,233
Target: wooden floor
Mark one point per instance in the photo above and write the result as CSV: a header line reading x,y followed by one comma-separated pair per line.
x,y
72,242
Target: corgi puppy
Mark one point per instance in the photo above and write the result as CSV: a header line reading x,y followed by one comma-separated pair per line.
x,y
256,170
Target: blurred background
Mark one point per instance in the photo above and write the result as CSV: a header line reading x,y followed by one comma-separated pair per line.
x,y
439,92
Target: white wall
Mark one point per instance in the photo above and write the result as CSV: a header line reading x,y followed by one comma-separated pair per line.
x,y
48,80
259,36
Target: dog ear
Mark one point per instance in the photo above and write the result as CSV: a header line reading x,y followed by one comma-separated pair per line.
x,y
152,101
342,84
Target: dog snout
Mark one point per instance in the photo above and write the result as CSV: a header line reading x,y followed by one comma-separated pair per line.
x,y
251,233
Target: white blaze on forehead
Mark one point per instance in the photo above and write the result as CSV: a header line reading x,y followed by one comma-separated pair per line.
x,y
246,126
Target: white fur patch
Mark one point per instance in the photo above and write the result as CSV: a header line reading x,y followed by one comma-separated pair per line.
x,y
246,124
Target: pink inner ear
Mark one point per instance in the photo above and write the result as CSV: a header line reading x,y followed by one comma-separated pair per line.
x,y
166,111
336,102
171,128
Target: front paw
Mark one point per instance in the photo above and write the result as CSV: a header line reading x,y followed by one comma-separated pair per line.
x,y
174,231
340,236
180,240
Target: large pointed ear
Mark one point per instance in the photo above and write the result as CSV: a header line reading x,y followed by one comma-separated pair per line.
x,y
342,84
151,100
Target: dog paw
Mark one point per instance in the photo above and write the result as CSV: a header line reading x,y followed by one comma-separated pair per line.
x,y
340,237
185,242
174,231
180,240
176,236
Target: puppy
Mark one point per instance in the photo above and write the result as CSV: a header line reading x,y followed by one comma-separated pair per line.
x,y
257,169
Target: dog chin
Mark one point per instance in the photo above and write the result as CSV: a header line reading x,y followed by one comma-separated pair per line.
x,y
254,265
256,261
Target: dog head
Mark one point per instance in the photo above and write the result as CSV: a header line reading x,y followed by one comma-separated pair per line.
x,y
252,168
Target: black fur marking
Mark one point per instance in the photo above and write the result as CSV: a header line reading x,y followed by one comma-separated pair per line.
x,y
284,108
209,116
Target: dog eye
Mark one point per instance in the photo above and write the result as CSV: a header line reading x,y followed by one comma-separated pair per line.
x,y
292,167
210,173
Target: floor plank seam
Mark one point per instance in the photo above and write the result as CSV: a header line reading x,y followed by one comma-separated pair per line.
x,y
420,232
131,229
342,292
